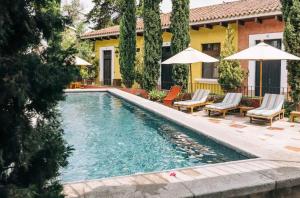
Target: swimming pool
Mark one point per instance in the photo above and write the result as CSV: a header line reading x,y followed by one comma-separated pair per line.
x,y
113,137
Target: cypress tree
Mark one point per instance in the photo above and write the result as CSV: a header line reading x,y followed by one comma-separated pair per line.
x,y
32,79
291,15
231,74
152,43
128,42
180,39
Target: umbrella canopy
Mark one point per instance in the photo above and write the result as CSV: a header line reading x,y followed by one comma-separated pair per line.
x,y
262,51
81,62
189,56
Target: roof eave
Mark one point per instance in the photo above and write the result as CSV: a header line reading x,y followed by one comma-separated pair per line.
x,y
275,13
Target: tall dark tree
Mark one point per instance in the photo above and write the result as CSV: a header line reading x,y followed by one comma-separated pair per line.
x,y
152,43
180,39
32,79
128,42
104,13
291,15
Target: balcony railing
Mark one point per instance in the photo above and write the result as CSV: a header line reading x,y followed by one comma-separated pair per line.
x,y
247,91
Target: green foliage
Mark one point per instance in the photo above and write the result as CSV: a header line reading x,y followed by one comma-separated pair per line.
x,y
71,38
157,95
72,11
180,39
291,15
139,68
128,42
152,43
139,9
231,75
85,50
32,79
105,13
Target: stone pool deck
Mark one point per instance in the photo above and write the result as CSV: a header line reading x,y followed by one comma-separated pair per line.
x,y
276,169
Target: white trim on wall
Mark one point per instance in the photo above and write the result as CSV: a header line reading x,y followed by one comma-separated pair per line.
x,y
251,66
101,63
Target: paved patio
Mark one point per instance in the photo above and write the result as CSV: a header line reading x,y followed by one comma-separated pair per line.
x,y
277,149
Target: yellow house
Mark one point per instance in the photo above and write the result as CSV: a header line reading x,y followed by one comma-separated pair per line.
x,y
207,32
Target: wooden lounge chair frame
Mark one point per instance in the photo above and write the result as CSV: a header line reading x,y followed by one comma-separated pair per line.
x,y
221,111
201,104
269,118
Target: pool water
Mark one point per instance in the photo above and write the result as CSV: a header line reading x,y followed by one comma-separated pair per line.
x,y
112,137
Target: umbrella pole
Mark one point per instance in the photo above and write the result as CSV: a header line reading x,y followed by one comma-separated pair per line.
x,y
260,81
191,78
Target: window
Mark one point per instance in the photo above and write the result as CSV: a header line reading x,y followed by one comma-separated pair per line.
x,y
210,70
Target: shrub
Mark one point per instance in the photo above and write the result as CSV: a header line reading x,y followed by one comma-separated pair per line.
x,y
157,95
231,75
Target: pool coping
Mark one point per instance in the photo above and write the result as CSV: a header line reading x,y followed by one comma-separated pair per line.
x,y
80,188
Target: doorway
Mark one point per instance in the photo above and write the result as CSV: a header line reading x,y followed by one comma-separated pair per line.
x,y
271,72
107,61
166,70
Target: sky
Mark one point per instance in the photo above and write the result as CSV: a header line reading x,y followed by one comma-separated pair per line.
x,y
166,5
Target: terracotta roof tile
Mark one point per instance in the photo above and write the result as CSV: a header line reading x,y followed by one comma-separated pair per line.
x,y
226,11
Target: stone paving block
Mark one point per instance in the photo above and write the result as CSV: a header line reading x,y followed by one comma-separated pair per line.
x,y
183,177
231,185
69,192
269,164
239,167
110,182
207,172
126,180
156,178
111,192
285,177
192,173
141,180
94,184
254,167
79,188
169,178
229,169
217,170
170,190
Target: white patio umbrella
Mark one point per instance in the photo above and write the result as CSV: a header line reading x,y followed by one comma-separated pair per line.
x,y
81,62
190,56
262,52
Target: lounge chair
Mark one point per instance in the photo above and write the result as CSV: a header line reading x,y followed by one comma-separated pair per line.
x,y
199,99
270,108
230,102
172,95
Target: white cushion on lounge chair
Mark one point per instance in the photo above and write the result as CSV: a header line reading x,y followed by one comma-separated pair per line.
x,y
200,96
231,100
272,104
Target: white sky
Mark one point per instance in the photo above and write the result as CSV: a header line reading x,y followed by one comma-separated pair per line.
x,y
165,7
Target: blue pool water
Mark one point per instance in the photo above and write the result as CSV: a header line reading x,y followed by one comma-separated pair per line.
x,y
112,137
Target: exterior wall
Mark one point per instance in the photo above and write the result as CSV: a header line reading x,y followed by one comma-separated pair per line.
x,y
109,44
269,29
215,35
244,37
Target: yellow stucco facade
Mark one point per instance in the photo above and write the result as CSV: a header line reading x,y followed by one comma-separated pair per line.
x,y
198,37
